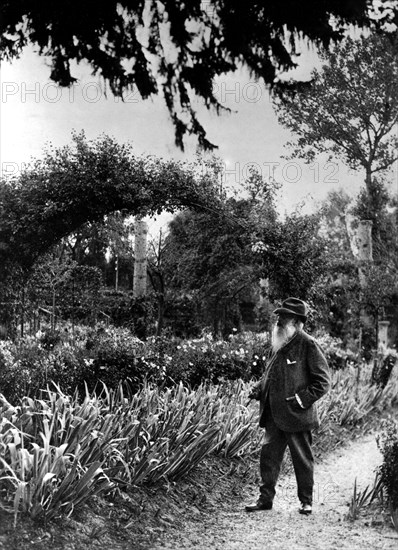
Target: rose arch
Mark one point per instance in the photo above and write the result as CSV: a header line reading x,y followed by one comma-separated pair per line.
x,y
79,183
85,182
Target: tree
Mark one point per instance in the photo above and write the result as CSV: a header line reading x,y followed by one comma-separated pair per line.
x,y
350,108
53,273
156,273
106,245
381,209
350,111
218,261
175,48
60,288
291,255
343,303
337,293
209,259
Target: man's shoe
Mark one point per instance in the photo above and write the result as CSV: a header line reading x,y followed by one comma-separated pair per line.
x,y
257,506
305,509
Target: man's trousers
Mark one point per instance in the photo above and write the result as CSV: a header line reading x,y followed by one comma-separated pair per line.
x,y
271,456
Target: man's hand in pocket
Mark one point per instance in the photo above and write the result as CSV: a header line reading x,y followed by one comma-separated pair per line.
x,y
294,403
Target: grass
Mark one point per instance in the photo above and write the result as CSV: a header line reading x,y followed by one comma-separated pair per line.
x,y
361,499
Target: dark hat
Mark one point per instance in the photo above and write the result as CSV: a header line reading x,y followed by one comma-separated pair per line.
x,y
294,306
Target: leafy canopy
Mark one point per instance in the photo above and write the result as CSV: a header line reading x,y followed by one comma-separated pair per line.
x,y
83,183
174,48
220,262
350,109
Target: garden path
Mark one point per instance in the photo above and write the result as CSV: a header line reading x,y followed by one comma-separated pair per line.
x,y
282,528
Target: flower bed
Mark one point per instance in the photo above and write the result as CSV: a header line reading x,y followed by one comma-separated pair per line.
x,y
59,451
110,355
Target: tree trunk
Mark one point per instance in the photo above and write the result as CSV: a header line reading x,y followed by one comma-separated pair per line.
x,y
117,273
140,258
22,312
53,312
365,259
368,178
365,249
160,322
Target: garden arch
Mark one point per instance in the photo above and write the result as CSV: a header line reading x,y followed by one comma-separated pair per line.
x,y
74,185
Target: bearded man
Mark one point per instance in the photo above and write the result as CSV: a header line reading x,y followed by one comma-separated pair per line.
x,y
296,376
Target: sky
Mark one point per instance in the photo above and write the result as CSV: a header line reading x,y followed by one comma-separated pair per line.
x,y
35,112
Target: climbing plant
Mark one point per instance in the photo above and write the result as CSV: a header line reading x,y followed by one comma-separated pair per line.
x,y
83,182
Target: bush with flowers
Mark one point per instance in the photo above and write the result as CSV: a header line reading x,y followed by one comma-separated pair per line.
x,y
337,355
110,354
27,366
387,442
96,355
74,359
208,359
383,364
116,354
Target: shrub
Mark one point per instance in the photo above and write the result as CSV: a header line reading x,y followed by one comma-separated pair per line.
x,y
83,356
382,367
26,367
115,355
49,339
136,314
388,445
206,359
337,356
15,378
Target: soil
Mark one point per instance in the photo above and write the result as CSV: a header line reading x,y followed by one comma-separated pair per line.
x,y
206,510
282,527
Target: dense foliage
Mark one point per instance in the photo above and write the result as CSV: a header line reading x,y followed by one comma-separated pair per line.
x,y
175,48
82,357
209,260
388,445
217,262
74,186
68,450
84,182
292,255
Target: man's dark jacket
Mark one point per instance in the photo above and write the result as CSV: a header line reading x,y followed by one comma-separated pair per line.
x,y
299,367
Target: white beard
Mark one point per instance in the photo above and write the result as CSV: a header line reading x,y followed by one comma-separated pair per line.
x,y
281,335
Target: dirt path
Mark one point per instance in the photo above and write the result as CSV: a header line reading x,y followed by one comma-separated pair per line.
x,y
283,528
